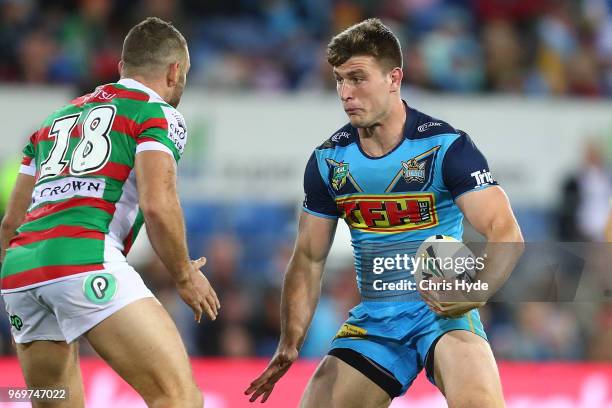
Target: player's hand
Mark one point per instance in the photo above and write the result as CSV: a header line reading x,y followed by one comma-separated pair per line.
x,y
448,303
278,366
197,292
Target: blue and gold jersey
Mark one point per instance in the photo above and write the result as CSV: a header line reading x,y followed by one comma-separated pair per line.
x,y
400,199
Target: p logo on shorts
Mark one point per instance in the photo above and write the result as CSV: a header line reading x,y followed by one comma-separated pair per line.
x,y
100,288
16,322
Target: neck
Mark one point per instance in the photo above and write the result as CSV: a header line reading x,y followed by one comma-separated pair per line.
x,y
151,84
386,134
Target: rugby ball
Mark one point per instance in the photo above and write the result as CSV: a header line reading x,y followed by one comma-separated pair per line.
x,y
443,257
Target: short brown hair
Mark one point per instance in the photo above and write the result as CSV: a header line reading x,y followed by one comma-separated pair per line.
x,y
152,43
370,37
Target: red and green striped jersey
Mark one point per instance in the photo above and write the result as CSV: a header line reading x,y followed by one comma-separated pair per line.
x,y
84,214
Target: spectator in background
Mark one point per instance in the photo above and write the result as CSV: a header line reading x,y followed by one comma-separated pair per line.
x,y
168,10
17,17
598,14
584,205
504,56
90,41
452,56
36,54
227,335
539,331
556,33
266,323
595,190
599,345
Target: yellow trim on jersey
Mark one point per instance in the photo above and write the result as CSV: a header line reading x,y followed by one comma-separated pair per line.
x,y
469,317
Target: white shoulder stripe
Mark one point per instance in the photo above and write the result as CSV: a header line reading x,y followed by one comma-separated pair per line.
x,y
29,170
153,146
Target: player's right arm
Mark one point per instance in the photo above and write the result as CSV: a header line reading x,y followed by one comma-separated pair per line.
x,y
156,156
302,284
300,295
21,197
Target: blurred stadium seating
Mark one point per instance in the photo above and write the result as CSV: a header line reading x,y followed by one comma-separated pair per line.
x,y
542,47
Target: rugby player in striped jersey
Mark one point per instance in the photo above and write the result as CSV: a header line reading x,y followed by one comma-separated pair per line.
x,y
95,171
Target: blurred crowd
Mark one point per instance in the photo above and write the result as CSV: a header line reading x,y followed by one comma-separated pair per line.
x,y
541,47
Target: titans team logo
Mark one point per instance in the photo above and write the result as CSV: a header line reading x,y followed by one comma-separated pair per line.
x,y
415,174
413,171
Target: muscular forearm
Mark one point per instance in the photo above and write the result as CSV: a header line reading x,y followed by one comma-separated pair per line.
x,y
166,231
503,250
301,290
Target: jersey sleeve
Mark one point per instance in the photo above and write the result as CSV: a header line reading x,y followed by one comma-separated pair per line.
x,y
317,198
166,132
465,168
28,161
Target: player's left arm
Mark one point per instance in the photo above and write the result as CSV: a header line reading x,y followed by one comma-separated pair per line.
x,y
489,212
18,204
485,205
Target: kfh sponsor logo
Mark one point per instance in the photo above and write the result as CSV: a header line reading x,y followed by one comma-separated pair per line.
x,y
389,213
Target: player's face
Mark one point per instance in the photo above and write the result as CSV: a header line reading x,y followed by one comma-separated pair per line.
x,y
177,92
365,89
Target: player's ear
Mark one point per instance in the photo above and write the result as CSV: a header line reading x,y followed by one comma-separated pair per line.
x,y
396,79
120,67
173,74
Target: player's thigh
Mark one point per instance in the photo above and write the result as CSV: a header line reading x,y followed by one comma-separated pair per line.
x,y
142,344
465,371
52,364
335,384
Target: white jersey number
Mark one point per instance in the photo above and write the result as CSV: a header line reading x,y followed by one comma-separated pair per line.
x,y
92,152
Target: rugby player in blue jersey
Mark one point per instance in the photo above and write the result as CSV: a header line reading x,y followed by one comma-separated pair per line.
x,y
396,176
